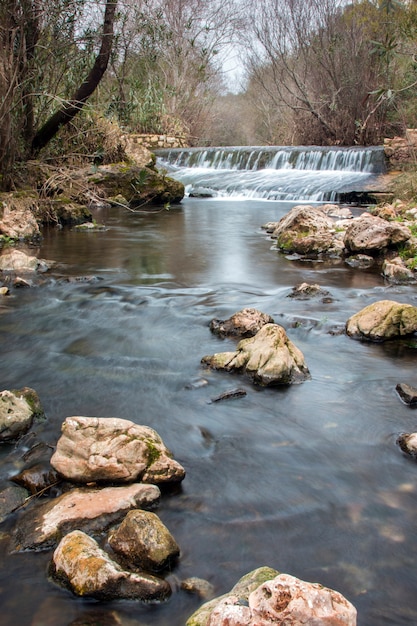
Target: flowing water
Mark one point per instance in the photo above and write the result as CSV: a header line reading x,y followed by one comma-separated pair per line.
x,y
275,173
306,479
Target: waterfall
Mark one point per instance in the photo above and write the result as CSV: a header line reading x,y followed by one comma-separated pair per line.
x,y
274,172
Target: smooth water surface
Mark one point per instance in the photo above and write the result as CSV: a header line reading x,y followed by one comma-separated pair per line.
x,y
306,478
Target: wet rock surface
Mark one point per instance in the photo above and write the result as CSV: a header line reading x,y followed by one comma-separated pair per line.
x,y
144,541
91,510
79,563
407,393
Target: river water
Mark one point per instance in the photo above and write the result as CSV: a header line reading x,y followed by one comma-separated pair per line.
x,y
306,479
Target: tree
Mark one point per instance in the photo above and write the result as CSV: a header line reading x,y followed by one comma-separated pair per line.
x,y
314,58
70,109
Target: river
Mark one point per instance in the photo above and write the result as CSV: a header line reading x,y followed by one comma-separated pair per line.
x,y
306,479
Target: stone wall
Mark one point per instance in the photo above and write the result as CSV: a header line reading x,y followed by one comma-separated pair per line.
x,y
152,141
402,151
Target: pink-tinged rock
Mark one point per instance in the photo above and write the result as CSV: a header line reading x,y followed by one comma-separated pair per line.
x,y
383,320
286,601
115,450
144,541
290,601
87,509
244,323
270,358
79,563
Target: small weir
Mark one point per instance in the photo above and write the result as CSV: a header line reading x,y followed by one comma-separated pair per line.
x,y
302,173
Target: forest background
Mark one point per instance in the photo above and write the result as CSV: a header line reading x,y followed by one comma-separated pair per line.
x,y
323,72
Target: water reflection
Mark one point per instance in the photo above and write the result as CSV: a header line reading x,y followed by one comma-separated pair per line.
x,y
306,479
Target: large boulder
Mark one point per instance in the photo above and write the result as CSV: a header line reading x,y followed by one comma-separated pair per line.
x,y
269,357
244,323
241,590
305,230
277,601
113,449
80,564
371,234
383,320
144,541
87,509
18,409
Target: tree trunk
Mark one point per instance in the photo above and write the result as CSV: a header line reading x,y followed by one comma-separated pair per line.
x,y
70,109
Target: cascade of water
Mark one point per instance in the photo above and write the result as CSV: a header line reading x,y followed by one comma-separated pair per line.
x,y
274,173
316,158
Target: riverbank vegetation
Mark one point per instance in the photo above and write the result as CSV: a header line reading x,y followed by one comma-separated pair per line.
x,y
312,72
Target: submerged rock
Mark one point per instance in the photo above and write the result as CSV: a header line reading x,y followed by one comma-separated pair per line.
x,y
269,357
18,409
383,320
244,323
87,509
79,563
11,498
144,541
113,449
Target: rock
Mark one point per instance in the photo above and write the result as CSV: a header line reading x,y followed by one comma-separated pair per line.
x,y
244,323
11,498
79,563
305,230
143,541
408,444
269,357
288,601
334,210
241,590
4,291
113,449
360,261
17,219
18,409
407,394
305,291
37,479
87,509
383,320
138,185
198,586
230,394
16,260
369,233
396,271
